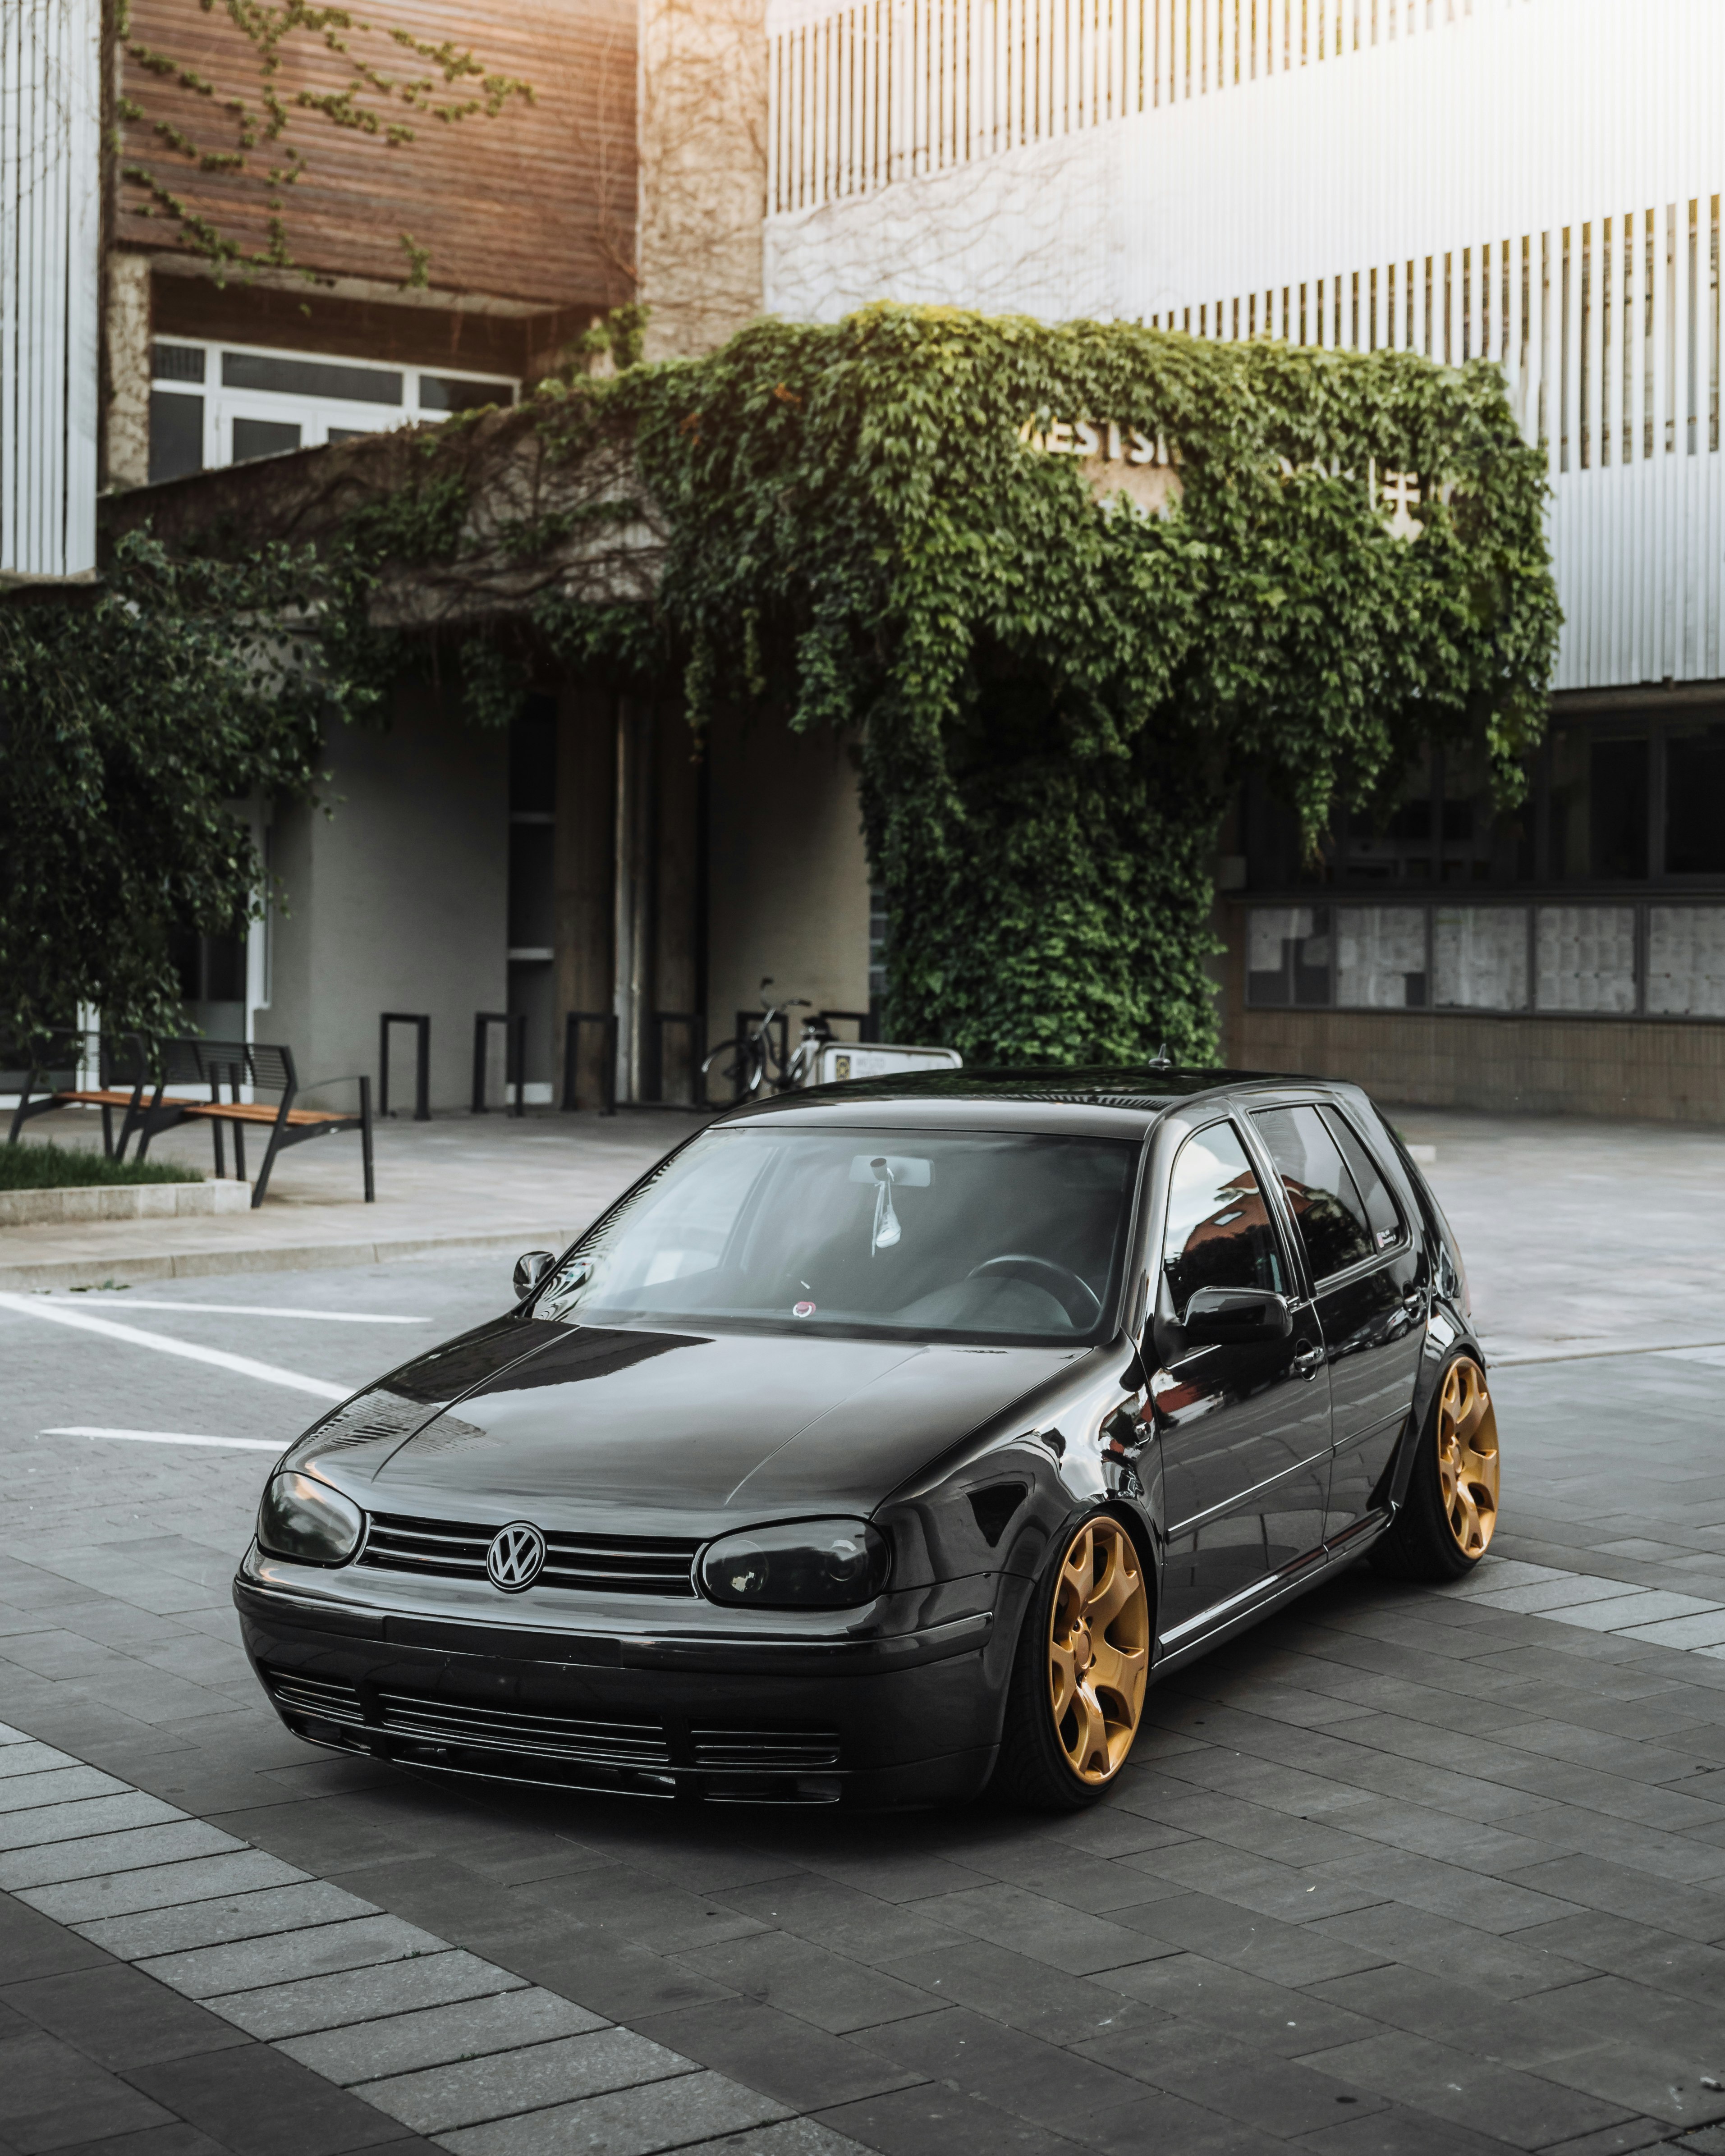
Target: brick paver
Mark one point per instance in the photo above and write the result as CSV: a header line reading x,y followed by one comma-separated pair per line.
x,y
1404,1870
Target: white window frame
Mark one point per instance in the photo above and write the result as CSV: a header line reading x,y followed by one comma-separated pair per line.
x,y
314,416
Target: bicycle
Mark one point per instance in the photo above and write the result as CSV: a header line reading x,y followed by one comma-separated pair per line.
x,y
755,1063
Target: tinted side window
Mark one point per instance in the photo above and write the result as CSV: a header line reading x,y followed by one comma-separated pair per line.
x,y
1330,1211
1218,1232
1382,1215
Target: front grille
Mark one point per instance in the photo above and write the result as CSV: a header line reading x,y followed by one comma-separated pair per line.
x,y
326,1697
606,1564
524,1729
446,1547
620,1564
786,1749
537,1732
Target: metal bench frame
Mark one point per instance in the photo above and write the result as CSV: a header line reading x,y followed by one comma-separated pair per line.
x,y
258,1066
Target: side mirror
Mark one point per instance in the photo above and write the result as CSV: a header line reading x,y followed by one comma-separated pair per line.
x,y
530,1268
1236,1317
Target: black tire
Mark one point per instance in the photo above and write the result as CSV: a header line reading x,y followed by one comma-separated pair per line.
x,y
1435,1537
1035,1770
739,1073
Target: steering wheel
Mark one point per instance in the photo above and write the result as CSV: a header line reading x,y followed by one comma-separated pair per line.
x,y
1074,1294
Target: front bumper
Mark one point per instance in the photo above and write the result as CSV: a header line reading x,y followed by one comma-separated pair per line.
x,y
906,1717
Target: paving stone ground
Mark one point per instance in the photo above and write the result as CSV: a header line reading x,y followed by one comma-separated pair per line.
x,y
1401,1872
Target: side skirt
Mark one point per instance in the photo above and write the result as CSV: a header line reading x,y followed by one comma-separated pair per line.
x,y
1228,1618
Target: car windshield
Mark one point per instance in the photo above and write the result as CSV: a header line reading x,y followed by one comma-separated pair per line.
x,y
974,1237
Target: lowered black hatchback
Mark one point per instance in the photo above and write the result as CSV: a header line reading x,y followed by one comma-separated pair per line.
x,y
887,1439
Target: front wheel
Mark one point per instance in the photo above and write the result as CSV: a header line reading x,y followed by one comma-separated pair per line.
x,y
1079,1678
1450,1514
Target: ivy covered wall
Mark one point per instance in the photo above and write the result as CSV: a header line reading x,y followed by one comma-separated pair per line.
x,y
1064,586
884,525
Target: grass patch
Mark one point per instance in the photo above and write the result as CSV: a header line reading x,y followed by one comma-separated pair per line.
x,y
27,1167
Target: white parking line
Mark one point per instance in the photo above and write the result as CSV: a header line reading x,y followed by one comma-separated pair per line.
x,y
30,1306
96,1300
167,1437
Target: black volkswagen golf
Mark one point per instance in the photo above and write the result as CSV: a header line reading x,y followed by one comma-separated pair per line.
x,y
888,1439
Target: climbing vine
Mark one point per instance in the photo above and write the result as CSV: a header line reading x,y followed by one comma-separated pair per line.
x,y
1056,695
384,80
1057,666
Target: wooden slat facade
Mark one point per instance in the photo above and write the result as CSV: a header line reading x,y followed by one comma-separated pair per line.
x,y
536,205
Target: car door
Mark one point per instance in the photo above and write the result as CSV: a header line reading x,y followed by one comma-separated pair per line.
x,y
1368,1282
1243,1431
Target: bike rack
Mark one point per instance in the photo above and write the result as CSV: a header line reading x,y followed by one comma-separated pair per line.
x,y
515,1056
867,1022
421,1022
696,1023
606,1022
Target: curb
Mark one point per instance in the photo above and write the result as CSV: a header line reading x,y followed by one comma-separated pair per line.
x,y
271,1258
64,1203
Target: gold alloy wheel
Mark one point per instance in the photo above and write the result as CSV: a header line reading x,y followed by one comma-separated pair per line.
x,y
1467,1457
1099,1649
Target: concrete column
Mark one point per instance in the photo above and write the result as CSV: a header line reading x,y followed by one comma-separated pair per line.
x,y
126,363
586,892
634,892
678,967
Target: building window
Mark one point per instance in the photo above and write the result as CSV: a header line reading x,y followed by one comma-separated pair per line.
x,y
213,405
1288,956
1586,957
1380,957
1685,961
1480,957
1694,800
1599,798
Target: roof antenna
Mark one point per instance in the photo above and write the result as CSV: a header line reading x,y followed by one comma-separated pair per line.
x,y
1162,1060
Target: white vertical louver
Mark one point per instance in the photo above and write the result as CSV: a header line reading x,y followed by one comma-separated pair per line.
x,y
50,227
1537,182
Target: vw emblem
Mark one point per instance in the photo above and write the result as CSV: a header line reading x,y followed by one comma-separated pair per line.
x,y
515,1556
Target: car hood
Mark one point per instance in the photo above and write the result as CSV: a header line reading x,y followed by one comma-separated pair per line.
x,y
556,1419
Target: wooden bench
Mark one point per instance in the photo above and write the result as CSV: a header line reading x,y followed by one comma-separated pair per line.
x,y
250,1066
122,1080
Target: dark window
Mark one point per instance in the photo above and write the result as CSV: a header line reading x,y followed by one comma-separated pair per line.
x,y
176,435
1599,804
1288,956
533,757
1389,839
446,393
177,362
1219,1231
208,968
348,433
1695,801
263,438
311,377
1382,1215
1331,1213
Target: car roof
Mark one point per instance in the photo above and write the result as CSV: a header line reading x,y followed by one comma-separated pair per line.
x,y
1111,1101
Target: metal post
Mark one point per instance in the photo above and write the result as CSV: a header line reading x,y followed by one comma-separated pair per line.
x,y
514,1058
421,1022
482,1019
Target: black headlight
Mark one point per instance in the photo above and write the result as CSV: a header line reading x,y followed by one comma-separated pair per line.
x,y
304,1519
809,1564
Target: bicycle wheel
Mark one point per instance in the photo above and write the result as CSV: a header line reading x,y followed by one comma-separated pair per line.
x,y
741,1066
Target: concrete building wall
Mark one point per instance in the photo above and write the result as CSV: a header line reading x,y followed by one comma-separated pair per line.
x,y
703,139
397,901
788,891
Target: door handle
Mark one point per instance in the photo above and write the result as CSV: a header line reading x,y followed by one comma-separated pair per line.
x,y
1308,1361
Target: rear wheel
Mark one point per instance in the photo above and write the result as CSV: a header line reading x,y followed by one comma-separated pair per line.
x,y
1078,1683
1446,1521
